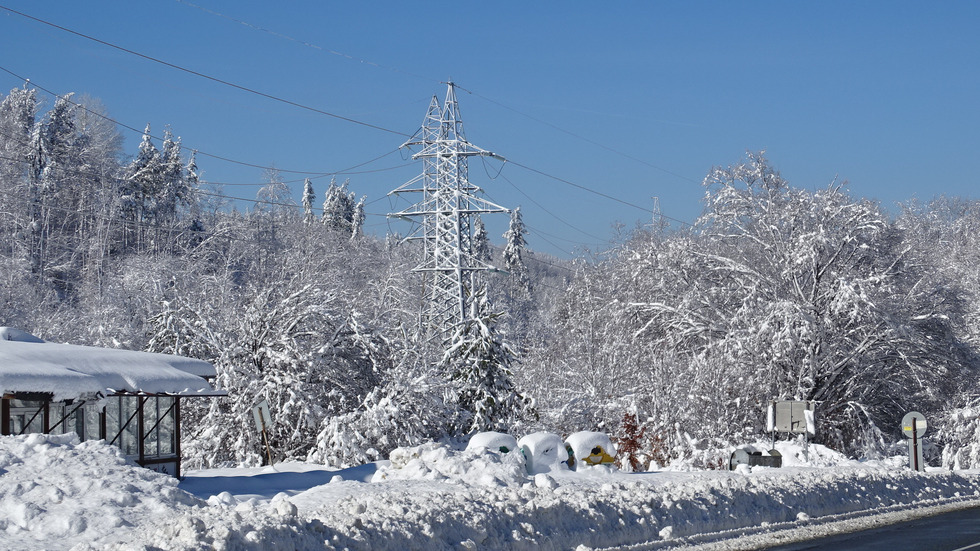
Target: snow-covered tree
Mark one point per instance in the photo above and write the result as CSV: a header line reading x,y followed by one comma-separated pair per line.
x,y
143,182
340,209
481,241
357,220
175,193
408,409
807,296
516,250
479,364
274,198
308,197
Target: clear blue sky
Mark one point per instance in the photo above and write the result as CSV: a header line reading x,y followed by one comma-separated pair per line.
x,y
632,99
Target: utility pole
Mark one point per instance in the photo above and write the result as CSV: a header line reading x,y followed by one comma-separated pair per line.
x,y
444,216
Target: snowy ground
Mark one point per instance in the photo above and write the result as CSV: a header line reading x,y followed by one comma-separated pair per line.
x,y
57,493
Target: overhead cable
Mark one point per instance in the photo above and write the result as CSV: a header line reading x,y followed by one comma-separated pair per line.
x,y
205,76
198,151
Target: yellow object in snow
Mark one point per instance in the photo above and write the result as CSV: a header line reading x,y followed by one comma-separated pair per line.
x,y
590,449
598,456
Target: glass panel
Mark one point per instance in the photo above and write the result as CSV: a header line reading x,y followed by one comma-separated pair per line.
x,y
130,424
168,435
120,430
57,410
151,443
112,420
158,427
26,416
93,422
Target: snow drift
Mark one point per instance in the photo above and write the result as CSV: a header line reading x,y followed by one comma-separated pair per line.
x,y
58,493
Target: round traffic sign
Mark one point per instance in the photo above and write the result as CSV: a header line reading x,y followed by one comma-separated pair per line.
x,y
919,421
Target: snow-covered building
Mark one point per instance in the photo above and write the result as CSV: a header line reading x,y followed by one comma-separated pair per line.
x,y
130,399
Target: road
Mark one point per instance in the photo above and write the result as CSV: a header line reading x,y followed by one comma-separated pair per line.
x,y
956,531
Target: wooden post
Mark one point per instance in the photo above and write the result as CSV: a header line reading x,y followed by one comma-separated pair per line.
x,y
915,444
265,438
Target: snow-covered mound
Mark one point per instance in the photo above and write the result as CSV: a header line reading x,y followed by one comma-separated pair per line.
x,y
496,441
440,463
544,452
793,452
59,494
590,449
53,488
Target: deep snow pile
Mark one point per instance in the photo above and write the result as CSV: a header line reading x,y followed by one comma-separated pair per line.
x,y
56,493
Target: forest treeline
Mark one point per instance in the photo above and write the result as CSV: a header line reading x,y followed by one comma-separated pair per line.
x,y
674,340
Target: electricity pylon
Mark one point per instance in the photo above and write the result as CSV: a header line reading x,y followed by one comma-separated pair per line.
x,y
443,218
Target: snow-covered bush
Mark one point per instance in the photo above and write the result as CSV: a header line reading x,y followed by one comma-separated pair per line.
x,y
960,432
407,410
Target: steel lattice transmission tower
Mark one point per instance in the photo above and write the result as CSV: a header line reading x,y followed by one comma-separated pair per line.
x,y
444,216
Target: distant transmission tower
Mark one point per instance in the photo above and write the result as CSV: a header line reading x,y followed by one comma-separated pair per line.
x,y
444,216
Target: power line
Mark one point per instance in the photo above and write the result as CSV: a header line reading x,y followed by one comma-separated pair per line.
x,y
354,121
583,138
305,43
539,205
202,153
590,190
205,76
415,75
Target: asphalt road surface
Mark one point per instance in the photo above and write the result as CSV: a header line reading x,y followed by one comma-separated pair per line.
x,y
956,531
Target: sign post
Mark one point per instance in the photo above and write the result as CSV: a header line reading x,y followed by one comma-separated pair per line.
x,y
914,427
261,413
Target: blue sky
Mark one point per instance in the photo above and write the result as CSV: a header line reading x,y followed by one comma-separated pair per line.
x,y
633,100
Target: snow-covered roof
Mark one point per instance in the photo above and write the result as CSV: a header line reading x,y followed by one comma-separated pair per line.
x,y
67,371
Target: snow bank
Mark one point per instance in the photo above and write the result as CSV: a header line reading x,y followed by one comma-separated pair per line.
x,y
59,494
609,508
440,463
54,489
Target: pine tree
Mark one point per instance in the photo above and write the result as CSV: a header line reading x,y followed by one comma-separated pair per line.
x,y
357,222
478,362
174,190
143,182
481,242
195,226
339,208
340,212
515,251
308,197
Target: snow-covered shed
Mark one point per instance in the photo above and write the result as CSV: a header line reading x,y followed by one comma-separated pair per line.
x,y
128,398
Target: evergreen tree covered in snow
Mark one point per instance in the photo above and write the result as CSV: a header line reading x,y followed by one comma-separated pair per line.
x,y
308,197
479,364
481,241
516,250
175,192
144,181
357,220
340,209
